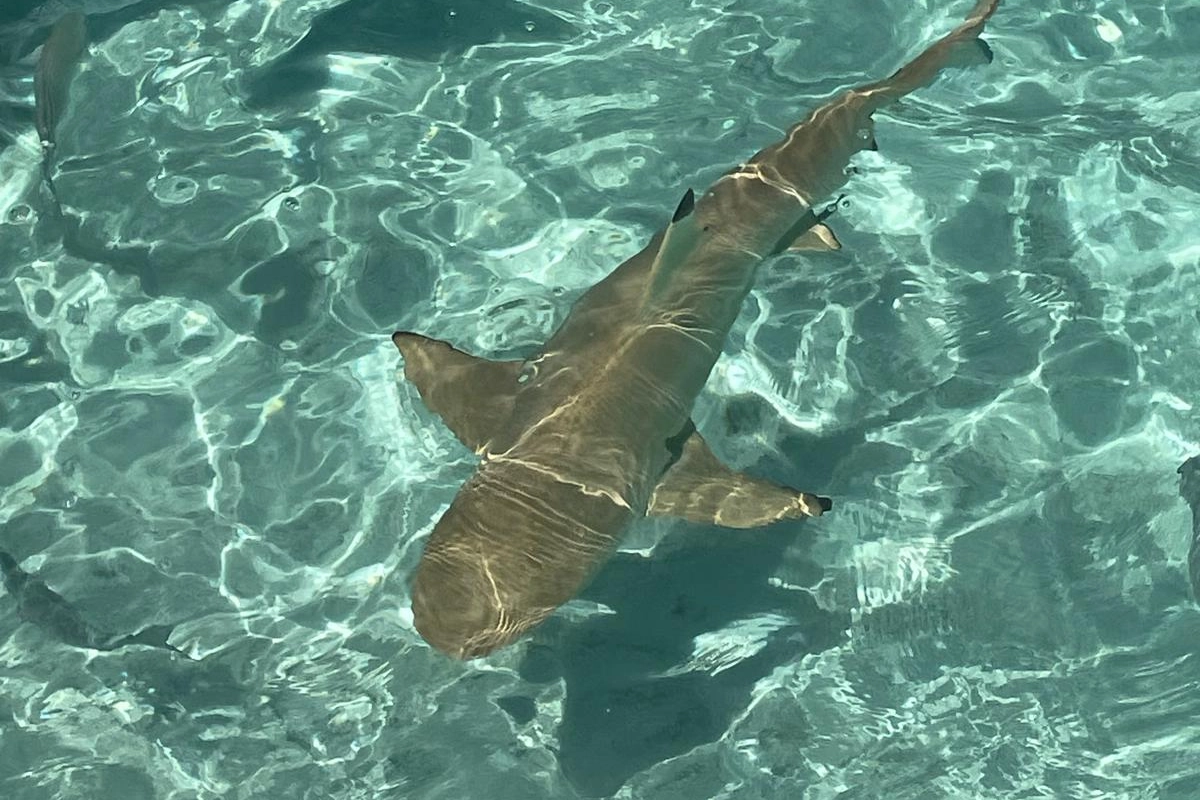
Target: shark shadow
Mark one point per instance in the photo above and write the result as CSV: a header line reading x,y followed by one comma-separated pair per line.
x,y
628,705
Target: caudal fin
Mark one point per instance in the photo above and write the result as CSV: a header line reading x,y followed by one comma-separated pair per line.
x,y
813,157
962,47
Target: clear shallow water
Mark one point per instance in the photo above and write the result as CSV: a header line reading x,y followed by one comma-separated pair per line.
x,y
995,380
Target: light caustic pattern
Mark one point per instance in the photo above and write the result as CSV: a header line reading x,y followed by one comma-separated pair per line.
x,y
995,379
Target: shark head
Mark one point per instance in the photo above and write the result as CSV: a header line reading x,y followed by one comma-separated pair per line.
x,y
512,547
448,614
457,610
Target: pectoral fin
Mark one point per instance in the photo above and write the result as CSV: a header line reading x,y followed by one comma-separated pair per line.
x,y
699,488
810,232
818,237
471,394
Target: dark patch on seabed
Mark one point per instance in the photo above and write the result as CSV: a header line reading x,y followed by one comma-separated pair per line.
x,y
424,30
24,24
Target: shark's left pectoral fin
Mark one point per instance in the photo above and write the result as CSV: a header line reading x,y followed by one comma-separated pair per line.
x,y
699,488
472,395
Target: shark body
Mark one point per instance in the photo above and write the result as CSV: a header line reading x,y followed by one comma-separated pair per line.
x,y
594,430
55,67
1189,489
422,30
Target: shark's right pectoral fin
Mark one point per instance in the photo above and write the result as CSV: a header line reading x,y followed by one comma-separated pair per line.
x,y
699,488
472,395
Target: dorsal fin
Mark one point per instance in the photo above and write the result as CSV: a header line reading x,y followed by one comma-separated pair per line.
x,y
677,242
472,395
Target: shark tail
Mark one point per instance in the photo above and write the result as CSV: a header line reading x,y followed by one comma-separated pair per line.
x,y
813,156
11,574
153,636
962,47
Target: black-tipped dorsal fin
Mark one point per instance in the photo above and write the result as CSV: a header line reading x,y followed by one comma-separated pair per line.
x,y
472,395
677,243
687,204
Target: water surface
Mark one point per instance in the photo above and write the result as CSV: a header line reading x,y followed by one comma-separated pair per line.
x,y
996,378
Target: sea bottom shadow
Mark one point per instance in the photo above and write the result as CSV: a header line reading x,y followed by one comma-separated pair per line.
x,y
621,715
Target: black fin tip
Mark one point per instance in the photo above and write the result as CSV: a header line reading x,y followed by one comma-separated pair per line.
x,y
686,206
986,49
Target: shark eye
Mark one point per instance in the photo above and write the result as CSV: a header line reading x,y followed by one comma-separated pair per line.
x,y
528,373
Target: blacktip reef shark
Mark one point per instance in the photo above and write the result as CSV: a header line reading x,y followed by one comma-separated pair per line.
x,y
1189,489
56,66
595,430
423,30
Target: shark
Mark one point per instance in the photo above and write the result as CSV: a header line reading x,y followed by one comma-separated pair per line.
x,y
421,30
55,68
52,78
1189,490
594,430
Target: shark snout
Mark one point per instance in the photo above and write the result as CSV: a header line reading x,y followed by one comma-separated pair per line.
x,y
457,609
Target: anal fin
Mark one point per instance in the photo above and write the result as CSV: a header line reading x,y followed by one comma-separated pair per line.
x,y
472,395
699,488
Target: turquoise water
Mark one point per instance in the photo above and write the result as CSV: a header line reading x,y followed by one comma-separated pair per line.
x,y
995,379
